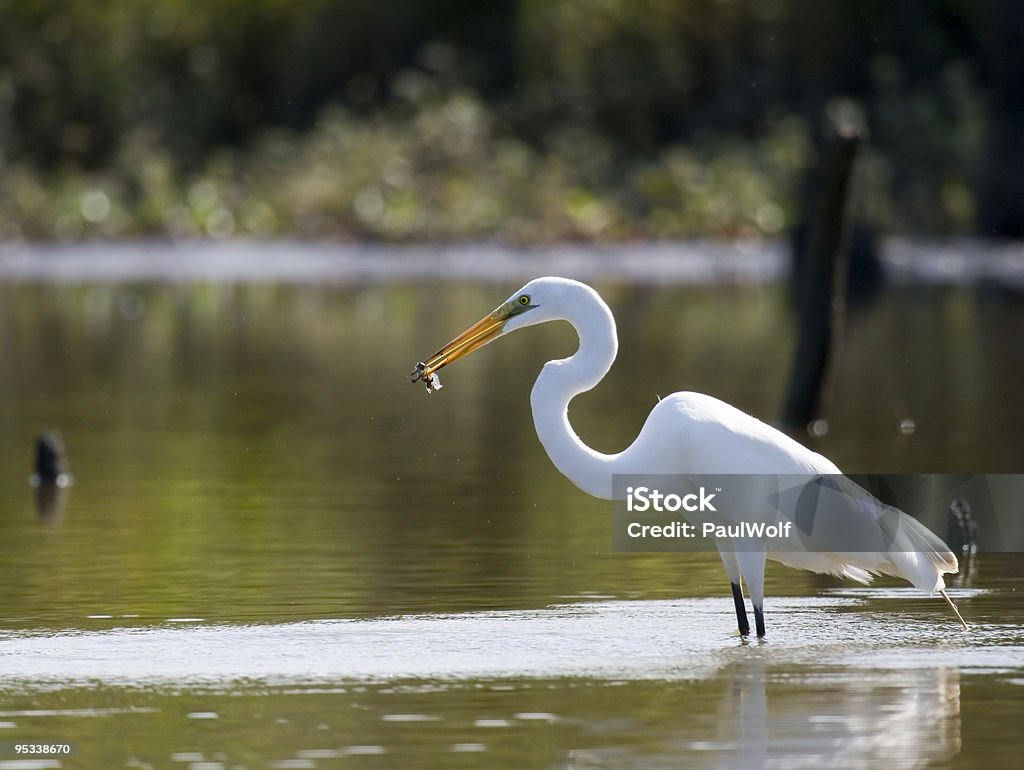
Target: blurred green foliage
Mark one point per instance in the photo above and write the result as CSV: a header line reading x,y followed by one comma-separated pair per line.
x,y
521,119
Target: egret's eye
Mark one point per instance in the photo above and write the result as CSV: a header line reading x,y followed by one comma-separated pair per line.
x,y
524,300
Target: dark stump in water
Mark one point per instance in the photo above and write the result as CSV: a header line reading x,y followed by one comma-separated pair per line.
x,y
51,460
52,475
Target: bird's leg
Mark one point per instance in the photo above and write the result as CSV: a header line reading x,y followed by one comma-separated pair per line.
x,y
751,559
741,611
759,620
732,569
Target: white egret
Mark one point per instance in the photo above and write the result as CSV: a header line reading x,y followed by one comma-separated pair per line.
x,y
685,433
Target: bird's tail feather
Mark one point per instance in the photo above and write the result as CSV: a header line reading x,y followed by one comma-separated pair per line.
x,y
920,556
915,554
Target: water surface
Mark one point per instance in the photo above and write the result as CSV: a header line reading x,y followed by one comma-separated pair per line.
x,y
278,553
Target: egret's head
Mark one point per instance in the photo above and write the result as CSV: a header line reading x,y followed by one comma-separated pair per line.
x,y
536,302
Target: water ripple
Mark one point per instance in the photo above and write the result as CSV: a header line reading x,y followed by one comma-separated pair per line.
x,y
619,640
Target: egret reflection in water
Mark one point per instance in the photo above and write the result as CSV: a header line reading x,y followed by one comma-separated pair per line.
x,y
814,717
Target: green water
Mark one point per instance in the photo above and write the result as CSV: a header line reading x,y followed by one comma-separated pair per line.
x,y
279,553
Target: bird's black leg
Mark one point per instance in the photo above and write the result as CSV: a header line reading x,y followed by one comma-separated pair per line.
x,y
741,612
759,620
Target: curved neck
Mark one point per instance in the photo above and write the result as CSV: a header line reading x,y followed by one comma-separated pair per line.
x,y
560,381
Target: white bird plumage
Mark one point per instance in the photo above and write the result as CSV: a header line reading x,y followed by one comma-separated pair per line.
x,y
685,433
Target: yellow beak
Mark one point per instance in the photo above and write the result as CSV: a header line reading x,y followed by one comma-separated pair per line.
x,y
476,336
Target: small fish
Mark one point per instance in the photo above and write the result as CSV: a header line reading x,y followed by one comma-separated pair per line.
x,y
432,381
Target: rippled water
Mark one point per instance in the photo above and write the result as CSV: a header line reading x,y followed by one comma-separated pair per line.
x,y
278,553
854,677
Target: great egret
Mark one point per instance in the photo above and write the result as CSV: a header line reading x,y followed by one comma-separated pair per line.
x,y
685,433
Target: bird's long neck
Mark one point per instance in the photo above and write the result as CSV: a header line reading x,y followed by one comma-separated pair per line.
x,y
560,381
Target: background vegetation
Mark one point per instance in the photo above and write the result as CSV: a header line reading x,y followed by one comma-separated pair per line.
x,y
520,119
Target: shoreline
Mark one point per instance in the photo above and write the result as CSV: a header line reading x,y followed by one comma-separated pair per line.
x,y
955,262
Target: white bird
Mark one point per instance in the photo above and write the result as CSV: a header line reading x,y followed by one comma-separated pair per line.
x,y
685,433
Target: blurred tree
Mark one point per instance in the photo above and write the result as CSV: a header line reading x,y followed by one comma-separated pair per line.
x,y
199,74
627,94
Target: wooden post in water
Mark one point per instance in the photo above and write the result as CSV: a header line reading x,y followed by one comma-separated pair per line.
x,y
52,475
51,460
820,284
